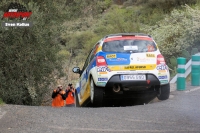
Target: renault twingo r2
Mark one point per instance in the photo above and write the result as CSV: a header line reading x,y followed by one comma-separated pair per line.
x,y
120,66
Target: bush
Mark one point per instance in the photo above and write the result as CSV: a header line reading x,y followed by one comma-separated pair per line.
x,y
168,5
28,56
178,31
118,20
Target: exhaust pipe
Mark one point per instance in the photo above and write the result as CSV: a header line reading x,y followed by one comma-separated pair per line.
x,y
116,88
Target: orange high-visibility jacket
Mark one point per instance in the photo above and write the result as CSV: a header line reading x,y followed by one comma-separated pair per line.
x,y
70,98
58,98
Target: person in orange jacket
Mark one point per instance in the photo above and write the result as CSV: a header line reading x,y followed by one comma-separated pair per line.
x,y
58,97
70,91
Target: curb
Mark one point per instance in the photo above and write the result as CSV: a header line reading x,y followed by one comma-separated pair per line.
x,y
172,87
188,87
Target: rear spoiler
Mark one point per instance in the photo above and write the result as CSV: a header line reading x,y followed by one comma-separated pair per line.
x,y
127,34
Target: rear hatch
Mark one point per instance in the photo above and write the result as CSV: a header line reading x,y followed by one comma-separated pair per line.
x,y
130,53
133,57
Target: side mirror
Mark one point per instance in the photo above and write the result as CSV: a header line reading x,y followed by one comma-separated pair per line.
x,y
76,70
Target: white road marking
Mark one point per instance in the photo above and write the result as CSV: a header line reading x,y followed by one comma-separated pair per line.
x,y
118,130
195,89
2,113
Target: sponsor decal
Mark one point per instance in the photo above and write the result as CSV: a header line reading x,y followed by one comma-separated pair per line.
x,y
102,72
118,59
101,83
102,79
143,59
161,71
145,67
162,77
162,67
126,72
161,74
139,67
114,68
150,55
129,67
103,69
132,72
130,47
163,81
136,67
111,56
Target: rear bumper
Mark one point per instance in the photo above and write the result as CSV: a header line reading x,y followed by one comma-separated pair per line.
x,y
150,80
132,89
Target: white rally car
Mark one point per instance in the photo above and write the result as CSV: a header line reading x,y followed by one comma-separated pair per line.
x,y
120,66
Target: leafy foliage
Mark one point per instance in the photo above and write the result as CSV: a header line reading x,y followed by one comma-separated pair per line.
x,y
177,32
194,51
28,58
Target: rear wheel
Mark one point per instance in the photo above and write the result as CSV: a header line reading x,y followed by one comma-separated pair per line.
x,y
76,100
164,92
96,94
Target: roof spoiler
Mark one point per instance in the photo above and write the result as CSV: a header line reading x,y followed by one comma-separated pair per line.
x,y
127,34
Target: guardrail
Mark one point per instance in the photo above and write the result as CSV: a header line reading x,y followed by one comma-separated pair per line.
x,y
187,70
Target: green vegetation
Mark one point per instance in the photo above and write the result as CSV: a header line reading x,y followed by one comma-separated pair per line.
x,y
33,60
28,58
1,101
177,32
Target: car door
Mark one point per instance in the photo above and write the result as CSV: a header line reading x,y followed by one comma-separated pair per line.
x,y
84,88
84,80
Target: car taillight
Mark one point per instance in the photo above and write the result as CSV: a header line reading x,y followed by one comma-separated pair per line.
x,y
160,59
101,61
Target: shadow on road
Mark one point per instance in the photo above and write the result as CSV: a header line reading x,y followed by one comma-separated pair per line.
x,y
143,99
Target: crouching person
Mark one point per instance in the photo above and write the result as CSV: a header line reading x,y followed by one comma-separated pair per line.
x,y
70,91
58,97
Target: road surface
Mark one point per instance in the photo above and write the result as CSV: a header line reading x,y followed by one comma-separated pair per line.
x,y
179,114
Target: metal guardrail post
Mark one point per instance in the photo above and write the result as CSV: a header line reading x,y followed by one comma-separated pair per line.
x,y
195,74
181,73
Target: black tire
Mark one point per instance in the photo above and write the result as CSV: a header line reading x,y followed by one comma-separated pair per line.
x,y
76,100
164,92
97,97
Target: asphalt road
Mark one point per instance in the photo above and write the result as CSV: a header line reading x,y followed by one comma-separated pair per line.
x,y
179,114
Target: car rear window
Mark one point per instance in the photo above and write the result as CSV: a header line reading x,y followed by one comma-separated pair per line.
x,y
133,46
